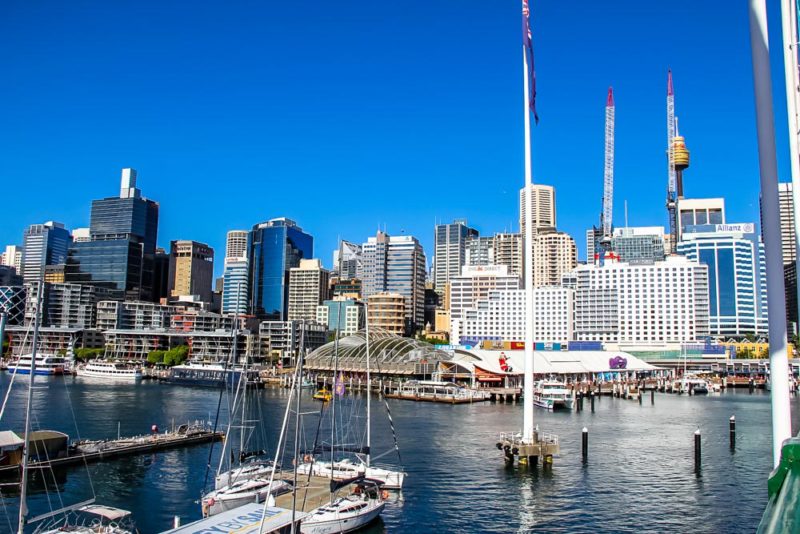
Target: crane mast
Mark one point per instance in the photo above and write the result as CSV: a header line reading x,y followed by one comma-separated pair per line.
x,y
604,231
672,181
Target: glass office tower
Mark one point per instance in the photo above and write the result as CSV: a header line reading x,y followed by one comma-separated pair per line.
x,y
275,247
121,253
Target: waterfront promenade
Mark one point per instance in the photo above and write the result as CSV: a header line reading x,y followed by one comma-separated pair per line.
x,y
639,476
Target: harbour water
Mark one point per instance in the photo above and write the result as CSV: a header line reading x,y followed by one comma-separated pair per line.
x,y
639,476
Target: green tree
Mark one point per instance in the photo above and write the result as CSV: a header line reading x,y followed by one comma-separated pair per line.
x,y
84,354
176,355
155,356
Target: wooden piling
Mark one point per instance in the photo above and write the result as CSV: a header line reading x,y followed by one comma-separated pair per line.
x,y
732,425
585,444
697,458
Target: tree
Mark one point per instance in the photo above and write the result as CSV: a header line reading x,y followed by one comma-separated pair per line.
x,y
176,355
155,356
84,354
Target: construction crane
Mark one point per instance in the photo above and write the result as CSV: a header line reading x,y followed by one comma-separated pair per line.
x,y
604,231
672,201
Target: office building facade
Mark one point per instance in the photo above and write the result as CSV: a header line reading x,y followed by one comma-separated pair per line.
x,y
543,200
736,276
508,251
450,251
12,257
43,244
191,269
347,316
480,251
276,246
236,244
121,254
396,264
346,260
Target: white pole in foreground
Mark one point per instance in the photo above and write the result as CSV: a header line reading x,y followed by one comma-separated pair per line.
x,y
768,169
527,412
792,78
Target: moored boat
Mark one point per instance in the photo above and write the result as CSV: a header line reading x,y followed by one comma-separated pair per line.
x,y
345,514
108,370
241,493
208,375
46,364
552,395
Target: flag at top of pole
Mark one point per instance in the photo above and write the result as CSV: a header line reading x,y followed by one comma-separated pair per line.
x,y
527,42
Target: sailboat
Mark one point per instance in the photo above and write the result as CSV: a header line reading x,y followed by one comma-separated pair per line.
x,y
351,512
347,469
82,518
249,481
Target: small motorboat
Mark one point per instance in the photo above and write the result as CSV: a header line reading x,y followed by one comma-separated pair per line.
x,y
323,395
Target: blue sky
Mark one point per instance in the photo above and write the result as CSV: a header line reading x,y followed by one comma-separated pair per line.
x,y
347,116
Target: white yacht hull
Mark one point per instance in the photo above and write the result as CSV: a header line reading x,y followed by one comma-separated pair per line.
x,y
99,375
343,523
552,404
389,479
242,473
225,499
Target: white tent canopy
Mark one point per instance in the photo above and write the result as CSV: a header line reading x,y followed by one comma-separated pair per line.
x,y
551,362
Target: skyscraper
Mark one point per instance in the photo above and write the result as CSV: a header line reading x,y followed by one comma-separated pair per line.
x,y
642,244
346,260
191,269
308,288
480,250
234,286
236,244
544,207
736,275
450,251
554,254
121,253
396,264
43,244
276,246
788,235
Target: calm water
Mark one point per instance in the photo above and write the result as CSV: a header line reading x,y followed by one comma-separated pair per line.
x,y
640,474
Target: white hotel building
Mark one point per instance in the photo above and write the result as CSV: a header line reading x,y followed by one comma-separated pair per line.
x,y
659,304
474,285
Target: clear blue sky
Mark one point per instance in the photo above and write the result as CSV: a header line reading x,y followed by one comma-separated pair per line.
x,y
350,115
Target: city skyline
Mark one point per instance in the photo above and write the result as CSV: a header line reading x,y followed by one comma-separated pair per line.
x,y
247,156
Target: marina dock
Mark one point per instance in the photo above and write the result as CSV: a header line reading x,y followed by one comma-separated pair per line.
x,y
97,450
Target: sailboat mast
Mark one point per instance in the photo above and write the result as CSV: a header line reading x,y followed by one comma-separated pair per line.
x,y
333,396
23,505
299,373
369,394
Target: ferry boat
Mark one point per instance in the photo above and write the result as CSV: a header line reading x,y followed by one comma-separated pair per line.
x,y
552,394
692,385
209,375
45,365
436,391
110,371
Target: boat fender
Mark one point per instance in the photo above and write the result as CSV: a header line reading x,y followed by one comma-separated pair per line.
x,y
357,490
384,495
307,458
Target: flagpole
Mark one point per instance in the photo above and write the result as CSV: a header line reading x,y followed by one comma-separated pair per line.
x,y
527,413
768,170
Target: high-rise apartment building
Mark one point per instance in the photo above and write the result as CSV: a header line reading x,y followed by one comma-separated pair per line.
x,y
396,264
309,286
450,243
737,276
388,311
191,269
121,253
665,302
508,251
236,245
346,260
543,201
554,254
276,246
788,250
43,244
480,250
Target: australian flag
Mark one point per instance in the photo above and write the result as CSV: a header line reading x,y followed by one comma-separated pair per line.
x,y
527,42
